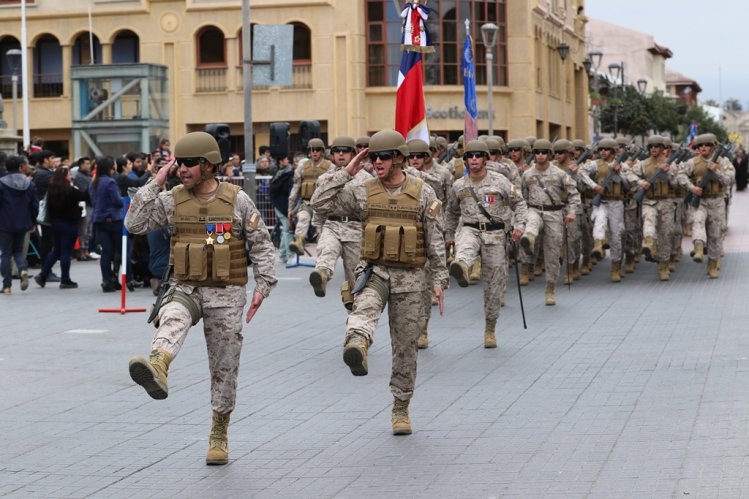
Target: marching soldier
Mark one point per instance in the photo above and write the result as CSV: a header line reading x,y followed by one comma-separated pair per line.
x,y
305,177
210,222
544,187
484,201
586,225
456,165
402,234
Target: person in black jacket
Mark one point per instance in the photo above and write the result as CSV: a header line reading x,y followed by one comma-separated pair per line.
x,y
64,208
280,188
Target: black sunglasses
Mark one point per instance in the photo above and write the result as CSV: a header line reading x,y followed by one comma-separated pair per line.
x,y
515,149
542,151
383,156
362,146
612,151
474,154
190,162
316,149
418,155
650,146
335,150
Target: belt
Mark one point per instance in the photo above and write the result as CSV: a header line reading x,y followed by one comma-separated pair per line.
x,y
548,207
343,219
483,226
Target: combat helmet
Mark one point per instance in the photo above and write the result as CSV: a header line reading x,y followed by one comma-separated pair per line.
x,y
418,145
542,145
607,144
315,144
388,140
344,141
656,140
493,145
476,146
578,144
705,138
198,145
362,142
518,144
562,145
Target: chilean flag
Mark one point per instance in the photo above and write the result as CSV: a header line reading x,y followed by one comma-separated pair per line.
x,y
410,111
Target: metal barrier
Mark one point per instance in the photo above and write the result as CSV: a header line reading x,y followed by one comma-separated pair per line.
x,y
262,196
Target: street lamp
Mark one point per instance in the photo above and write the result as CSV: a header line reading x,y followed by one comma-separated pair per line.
x,y
592,63
617,71
14,61
489,37
642,85
563,50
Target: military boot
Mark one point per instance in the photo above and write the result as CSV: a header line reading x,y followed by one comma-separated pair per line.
x,y
699,251
475,275
585,269
538,269
663,273
297,245
524,271
355,354
672,263
713,269
549,294
687,230
218,441
423,340
629,264
527,242
319,280
400,419
459,270
490,339
597,249
151,374
648,248
616,268
576,270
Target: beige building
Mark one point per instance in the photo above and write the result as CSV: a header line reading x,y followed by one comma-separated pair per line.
x,y
345,61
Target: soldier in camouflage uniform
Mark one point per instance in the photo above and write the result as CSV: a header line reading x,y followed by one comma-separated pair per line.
x,y
544,188
586,210
305,177
456,165
499,164
402,234
210,224
563,151
708,181
680,194
485,203
340,235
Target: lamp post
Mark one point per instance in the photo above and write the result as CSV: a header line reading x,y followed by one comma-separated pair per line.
x,y
642,85
14,61
489,37
592,63
617,71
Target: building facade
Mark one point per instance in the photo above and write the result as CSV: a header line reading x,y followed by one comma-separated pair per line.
x,y
345,61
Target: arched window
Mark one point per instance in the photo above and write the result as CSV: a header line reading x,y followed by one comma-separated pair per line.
x,y
6,71
82,49
302,56
47,69
126,48
211,47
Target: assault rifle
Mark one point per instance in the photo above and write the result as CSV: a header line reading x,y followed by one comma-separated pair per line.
x,y
612,176
587,153
163,288
676,156
710,175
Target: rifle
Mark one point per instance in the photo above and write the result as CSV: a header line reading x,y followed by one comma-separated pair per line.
x,y
709,175
587,153
163,288
676,156
611,176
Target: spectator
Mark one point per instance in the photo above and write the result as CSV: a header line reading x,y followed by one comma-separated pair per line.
x,y
123,179
63,204
82,180
280,188
234,167
742,169
42,163
107,218
139,165
265,152
37,144
166,153
264,167
19,206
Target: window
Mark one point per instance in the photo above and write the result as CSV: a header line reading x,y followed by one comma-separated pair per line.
x,y
211,50
6,73
446,25
126,48
47,81
82,51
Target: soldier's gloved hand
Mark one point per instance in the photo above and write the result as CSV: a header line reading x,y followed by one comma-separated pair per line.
x,y
517,233
568,219
257,300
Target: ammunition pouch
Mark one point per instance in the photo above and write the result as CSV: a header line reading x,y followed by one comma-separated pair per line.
x,y
175,295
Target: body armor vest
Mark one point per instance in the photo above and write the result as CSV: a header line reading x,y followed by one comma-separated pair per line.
x,y
614,190
310,175
460,168
660,189
393,233
714,189
198,258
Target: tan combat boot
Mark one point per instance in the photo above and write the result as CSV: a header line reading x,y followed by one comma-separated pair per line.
x,y
527,242
550,297
672,263
400,419
713,269
423,340
538,269
459,270
576,270
490,338
699,251
585,269
218,441
319,280
663,273
648,248
616,268
297,245
524,272
687,230
629,264
475,275
151,374
597,249
355,354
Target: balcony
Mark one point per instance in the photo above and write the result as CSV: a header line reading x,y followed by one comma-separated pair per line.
x,y
301,76
210,80
6,86
47,84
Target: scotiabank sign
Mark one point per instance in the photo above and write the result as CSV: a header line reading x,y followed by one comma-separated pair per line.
x,y
453,113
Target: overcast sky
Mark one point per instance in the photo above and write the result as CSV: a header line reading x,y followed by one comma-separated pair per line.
x,y
708,38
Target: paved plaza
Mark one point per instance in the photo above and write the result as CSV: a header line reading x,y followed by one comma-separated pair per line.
x,y
637,389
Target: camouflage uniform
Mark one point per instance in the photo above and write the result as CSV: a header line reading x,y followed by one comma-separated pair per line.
x,y
303,211
221,306
575,229
503,202
407,308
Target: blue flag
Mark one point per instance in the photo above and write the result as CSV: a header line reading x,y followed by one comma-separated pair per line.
x,y
470,128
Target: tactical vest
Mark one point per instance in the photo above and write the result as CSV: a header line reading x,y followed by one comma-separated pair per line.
x,y
614,190
660,189
714,189
310,175
198,257
393,233
460,168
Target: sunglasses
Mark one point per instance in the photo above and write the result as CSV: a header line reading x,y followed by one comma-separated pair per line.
x,y
541,151
335,150
382,156
650,146
362,146
475,155
189,162
705,145
418,155
316,149
515,149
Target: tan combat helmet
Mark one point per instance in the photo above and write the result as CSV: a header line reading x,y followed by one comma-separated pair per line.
x,y
362,142
493,145
482,137
541,145
500,140
607,144
344,141
530,140
388,140
622,142
705,138
476,146
198,145
441,142
667,143
315,144
418,145
578,144
562,145
656,140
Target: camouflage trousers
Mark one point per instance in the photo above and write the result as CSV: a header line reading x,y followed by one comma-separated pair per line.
x,y
586,229
471,243
303,219
707,225
632,231
330,247
407,314
222,326
678,232
552,225
609,215
658,223
574,240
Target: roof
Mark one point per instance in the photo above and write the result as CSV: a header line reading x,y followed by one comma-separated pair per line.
x,y
675,78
